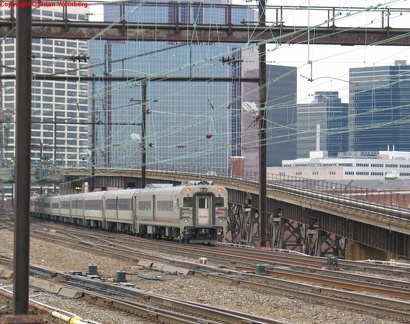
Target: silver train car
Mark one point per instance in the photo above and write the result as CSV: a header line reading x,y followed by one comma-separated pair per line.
x,y
194,213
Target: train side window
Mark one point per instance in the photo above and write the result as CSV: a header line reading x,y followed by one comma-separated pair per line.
x,y
124,204
144,205
111,204
187,201
219,202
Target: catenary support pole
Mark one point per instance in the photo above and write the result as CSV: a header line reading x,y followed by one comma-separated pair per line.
x,y
143,134
262,131
22,168
23,156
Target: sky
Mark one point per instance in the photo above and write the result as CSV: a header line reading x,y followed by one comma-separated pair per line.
x,y
329,64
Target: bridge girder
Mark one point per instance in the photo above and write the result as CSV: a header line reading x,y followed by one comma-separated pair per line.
x,y
331,35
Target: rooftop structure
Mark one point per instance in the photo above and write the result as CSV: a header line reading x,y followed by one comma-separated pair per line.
x,y
383,165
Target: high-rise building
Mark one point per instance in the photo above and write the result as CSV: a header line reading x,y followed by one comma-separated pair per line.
x,y
379,107
190,125
322,125
59,108
250,124
280,114
280,117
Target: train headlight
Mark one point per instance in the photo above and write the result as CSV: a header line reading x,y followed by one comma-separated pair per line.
x,y
220,220
219,190
185,221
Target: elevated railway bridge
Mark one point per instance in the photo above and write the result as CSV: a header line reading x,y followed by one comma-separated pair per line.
x,y
314,217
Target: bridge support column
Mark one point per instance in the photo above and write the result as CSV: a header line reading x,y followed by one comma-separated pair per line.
x,y
358,251
321,237
329,244
291,235
282,229
242,225
310,237
275,232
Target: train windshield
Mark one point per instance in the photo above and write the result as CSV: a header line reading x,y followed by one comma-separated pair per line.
x,y
187,201
219,202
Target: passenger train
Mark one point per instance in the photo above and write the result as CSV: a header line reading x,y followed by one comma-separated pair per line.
x,y
193,213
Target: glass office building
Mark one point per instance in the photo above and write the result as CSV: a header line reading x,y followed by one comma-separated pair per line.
x,y
322,125
192,122
379,108
281,114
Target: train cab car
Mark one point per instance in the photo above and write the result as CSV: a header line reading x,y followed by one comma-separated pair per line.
x,y
204,211
196,213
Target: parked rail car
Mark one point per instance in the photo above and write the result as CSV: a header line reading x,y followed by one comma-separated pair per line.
x,y
194,213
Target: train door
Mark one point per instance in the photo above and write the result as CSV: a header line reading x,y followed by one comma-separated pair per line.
x,y
154,208
134,205
203,210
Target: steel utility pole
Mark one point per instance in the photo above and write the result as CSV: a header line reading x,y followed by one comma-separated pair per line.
x,y
22,168
93,139
143,133
262,130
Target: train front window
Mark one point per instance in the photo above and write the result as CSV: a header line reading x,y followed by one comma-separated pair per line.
x,y
203,203
219,202
187,201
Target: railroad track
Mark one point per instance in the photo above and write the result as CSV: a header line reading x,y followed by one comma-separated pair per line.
x,y
227,255
148,305
324,290
327,289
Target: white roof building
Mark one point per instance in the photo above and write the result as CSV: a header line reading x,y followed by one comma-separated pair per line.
x,y
348,166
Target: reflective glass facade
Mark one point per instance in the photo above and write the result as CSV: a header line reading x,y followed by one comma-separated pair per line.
x,y
192,124
379,108
281,114
322,125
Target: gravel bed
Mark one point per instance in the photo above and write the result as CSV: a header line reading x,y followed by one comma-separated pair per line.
x,y
193,288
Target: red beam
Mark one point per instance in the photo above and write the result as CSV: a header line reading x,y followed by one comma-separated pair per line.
x,y
212,34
